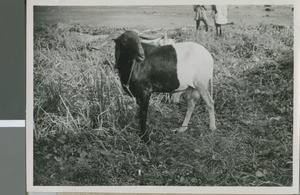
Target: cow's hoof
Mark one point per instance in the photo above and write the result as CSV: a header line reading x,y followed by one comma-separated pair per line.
x,y
145,138
213,128
180,129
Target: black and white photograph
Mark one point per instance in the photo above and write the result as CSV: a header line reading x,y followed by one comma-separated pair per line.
x,y
162,95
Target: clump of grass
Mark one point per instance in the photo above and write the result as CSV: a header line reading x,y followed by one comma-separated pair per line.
x,y
86,128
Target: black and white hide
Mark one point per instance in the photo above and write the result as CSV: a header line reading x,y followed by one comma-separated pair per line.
x,y
144,68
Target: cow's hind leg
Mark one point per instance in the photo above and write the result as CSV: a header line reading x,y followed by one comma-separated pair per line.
x,y
209,105
192,97
176,96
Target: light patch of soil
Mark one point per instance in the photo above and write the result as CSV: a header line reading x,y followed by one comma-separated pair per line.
x,y
156,16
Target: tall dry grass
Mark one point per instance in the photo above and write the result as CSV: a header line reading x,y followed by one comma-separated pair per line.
x,y
86,129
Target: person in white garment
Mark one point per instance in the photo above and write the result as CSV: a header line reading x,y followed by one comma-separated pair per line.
x,y
220,17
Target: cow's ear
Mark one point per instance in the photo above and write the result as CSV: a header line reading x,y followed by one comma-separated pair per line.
x,y
122,41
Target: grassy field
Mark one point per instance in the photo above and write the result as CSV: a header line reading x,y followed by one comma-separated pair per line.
x,y
86,128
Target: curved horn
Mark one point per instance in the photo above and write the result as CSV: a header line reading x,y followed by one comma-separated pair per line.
x,y
147,37
108,39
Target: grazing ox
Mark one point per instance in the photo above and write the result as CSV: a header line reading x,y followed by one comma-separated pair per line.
x,y
144,68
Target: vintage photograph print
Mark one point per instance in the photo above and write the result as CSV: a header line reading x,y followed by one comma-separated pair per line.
x,y
163,95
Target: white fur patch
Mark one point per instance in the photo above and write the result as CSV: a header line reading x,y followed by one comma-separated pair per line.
x,y
194,65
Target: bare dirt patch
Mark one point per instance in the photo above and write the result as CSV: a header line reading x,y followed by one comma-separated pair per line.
x,y
156,16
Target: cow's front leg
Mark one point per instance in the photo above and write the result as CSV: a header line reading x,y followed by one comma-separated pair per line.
x,y
144,104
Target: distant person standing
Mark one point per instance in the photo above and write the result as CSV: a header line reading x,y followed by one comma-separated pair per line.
x,y
220,17
200,15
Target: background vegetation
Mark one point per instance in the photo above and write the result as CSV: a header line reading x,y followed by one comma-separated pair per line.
x,y
86,128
